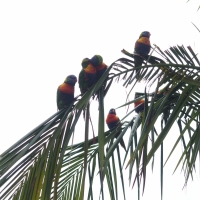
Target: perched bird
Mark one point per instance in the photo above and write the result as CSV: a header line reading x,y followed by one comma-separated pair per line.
x,y
139,105
100,66
113,122
87,76
142,49
142,45
97,62
65,92
161,93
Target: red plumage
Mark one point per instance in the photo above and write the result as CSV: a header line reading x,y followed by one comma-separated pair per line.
x,y
100,66
142,48
100,70
113,122
65,92
87,76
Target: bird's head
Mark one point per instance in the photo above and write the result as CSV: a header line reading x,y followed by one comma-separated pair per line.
x,y
145,34
138,94
112,111
85,62
71,80
96,60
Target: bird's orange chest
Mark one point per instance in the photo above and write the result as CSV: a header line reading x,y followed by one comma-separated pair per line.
x,y
66,88
90,69
111,118
144,40
139,102
100,67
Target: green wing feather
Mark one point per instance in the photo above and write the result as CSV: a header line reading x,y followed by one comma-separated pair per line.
x,y
82,82
58,100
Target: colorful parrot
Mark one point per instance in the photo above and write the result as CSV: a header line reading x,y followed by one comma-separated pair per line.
x,y
97,62
142,48
87,76
113,122
142,45
161,93
139,105
65,92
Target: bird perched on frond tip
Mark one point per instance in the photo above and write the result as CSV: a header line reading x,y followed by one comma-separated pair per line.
x,y
65,92
100,66
142,48
139,105
87,76
161,93
143,45
113,122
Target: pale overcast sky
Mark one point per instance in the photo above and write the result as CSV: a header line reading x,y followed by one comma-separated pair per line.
x,y
41,42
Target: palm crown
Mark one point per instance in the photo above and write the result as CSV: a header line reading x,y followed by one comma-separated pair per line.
x,y
42,165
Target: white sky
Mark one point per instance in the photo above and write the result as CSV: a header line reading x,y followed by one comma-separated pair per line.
x,y
41,42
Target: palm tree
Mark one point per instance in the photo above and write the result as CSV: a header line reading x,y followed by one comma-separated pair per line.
x,y
43,165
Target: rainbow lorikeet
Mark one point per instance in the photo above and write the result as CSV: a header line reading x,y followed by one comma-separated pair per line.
x,y
97,62
142,48
101,67
142,45
139,105
113,122
87,76
161,93
65,92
